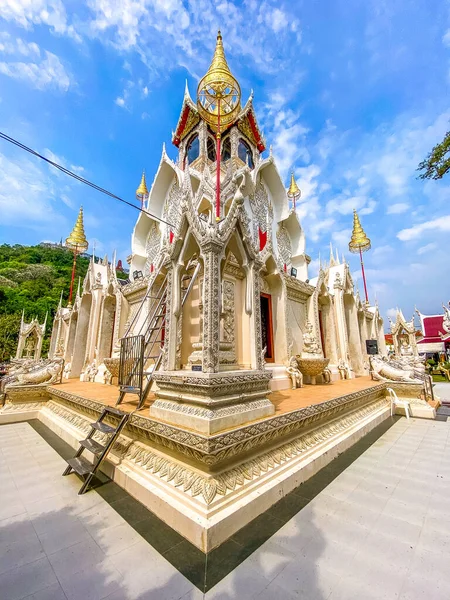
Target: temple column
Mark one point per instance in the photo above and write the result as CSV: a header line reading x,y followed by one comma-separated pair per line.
x,y
253,309
341,325
211,306
173,308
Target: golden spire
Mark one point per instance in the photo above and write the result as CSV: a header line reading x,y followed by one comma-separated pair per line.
x,y
142,189
218,89
77,241
293,190
359,241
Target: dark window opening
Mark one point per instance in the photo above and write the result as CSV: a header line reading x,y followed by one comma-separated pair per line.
x,y
245,153
193,149
266,327
226,149
211,148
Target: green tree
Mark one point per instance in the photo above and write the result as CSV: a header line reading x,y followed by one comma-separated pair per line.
x,y
31,280
9,335
437,163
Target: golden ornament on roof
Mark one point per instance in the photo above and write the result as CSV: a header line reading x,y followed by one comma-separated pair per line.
x,y
218,93
359,242
77,241
142,189
294,190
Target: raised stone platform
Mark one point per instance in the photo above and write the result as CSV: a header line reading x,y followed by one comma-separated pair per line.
x,y
209,486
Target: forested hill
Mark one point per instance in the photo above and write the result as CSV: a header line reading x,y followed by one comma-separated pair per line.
x,y
31,279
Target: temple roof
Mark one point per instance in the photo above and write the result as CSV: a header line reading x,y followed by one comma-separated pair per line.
x,y
432,329
190,116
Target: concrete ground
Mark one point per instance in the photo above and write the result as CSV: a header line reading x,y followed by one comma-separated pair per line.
x,y
442,390
380,530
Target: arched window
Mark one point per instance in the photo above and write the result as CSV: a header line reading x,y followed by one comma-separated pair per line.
x,y
211,149
226,149
245,153
193,148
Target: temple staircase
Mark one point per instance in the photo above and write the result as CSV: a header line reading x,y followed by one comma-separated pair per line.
x,y
141,354
79,463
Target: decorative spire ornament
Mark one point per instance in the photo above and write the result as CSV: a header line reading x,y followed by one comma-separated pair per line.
x,y
358,244
294,191
218,102
76,243
142,191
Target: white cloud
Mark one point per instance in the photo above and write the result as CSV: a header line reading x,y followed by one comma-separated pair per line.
x,y
43,70
382,251
27,193
120,101
277,19
342,238
397,209
392,313
438,225
27,13
427,248
446,38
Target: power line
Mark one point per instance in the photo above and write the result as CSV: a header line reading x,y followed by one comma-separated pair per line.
x,y
11,140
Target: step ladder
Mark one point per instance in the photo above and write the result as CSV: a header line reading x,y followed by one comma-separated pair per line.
x,y
150,339
80,464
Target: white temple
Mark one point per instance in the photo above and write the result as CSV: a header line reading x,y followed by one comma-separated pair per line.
x,y
259,259
221,334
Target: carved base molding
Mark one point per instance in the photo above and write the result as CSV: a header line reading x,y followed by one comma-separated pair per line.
x,y
212,402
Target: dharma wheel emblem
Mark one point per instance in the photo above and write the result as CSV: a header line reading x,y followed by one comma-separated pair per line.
x,y
218,93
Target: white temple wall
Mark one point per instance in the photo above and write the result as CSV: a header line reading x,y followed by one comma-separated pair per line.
x,y
354,340
328,329
242,328
71,336
364,328
106,329
94,325
279,307
191,323
296,318
381,341
81,336
54,336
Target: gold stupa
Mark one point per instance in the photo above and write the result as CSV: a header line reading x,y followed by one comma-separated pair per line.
x,y
218,93
142,190
294,190
77,241
359,242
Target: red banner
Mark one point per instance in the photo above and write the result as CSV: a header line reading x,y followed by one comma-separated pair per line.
x,y
170,236
262,239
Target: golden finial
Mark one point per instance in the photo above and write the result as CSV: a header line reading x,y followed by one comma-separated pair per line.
x,y
294,190
218,93
359,241
142,190
77,241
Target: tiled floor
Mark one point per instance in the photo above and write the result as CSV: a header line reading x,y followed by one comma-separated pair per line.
x,y
284,401
380,529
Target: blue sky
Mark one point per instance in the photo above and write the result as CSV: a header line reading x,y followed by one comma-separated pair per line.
x,y
350,94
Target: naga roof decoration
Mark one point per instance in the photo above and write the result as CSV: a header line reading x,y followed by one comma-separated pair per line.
x,y
248,124
188,119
